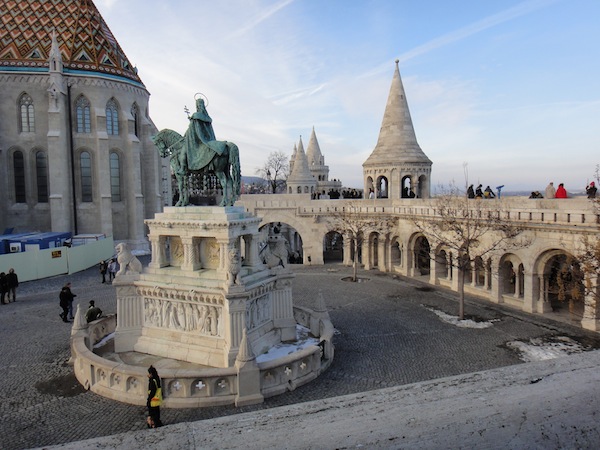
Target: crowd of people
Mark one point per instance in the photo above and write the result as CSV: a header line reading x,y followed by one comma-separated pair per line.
x,y
479,192
561,192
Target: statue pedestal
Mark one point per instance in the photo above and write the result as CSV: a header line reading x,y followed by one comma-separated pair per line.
x,y
204,286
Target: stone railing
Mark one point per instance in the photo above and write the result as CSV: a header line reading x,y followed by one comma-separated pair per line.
x,y
188,388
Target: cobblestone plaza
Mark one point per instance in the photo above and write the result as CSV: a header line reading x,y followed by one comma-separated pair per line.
x,y
386,337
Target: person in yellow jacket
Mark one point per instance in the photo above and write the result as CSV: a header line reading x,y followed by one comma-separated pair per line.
x,y
154,397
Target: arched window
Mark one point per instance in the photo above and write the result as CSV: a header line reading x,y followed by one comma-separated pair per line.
x,y
299,190
27,114
82,111
115,178
85,166
19,171
112,117
135,113
41,173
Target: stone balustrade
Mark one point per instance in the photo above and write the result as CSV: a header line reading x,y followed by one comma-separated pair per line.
x,y
188,388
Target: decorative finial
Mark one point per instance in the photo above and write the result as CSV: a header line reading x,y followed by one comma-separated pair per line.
x,y
397,61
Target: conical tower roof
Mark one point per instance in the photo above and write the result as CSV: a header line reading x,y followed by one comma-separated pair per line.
x,y
397,141
313,151
300,172
85,41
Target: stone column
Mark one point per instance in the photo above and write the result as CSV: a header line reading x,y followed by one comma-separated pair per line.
x,y
590,320
496,291
528,294
347,242
190,254
130,314
381,254
366,253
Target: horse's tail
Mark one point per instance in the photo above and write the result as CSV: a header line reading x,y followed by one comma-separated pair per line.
x,y
236,173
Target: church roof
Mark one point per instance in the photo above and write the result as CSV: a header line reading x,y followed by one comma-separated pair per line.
x,y
85,41
397,141
301,173
313,151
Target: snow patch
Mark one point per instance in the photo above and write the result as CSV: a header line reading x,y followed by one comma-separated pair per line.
x,y
303,340
104,340
538,349
465,323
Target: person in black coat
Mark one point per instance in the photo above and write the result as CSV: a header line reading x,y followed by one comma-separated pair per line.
x,y
13,283
66,302
154,398
3,287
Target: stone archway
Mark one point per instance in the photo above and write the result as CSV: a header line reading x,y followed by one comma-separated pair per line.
x,y
333,247
561,283
421,252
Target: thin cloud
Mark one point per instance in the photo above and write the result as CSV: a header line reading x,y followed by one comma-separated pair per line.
x,y
261,17
519,10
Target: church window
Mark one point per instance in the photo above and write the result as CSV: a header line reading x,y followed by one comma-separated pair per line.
x,y
135,113
41,173
85,167
306,189
82,108
115,177
19,173
112,117
299,189
27,114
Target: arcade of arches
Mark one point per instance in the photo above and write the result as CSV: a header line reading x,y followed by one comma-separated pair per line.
x,y
543,278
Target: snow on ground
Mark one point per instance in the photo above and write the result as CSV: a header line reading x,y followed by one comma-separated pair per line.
x,y
280,350
465,323
538,349
104,340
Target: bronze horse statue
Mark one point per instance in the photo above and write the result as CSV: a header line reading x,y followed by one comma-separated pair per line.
x,y
186,159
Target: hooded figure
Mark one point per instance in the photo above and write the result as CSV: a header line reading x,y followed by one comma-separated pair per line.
x,y
591,190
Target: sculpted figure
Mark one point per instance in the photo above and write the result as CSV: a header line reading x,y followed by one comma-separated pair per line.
x,y
128,263
233,267
199,151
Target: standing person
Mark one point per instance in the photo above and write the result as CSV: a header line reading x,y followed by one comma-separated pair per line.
x,y
93,312
66,302
112,269
470,192
3,287
561,192
154,397
590,191
550,190
13,283
103,267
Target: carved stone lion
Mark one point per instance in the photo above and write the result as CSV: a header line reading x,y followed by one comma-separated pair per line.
x,y
127,261
233,267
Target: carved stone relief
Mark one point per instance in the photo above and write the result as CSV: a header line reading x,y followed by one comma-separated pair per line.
x,y
203,319
258,311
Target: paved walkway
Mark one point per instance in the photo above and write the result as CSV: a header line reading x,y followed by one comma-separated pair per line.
x,y
387,339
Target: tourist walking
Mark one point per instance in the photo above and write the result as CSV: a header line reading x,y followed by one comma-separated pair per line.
x,y
103,268
550,190
561,192
112,270
13,283
3,287
591,190
154,398
66,302
93,312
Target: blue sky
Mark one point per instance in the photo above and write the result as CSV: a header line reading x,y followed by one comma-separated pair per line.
x,y
512,88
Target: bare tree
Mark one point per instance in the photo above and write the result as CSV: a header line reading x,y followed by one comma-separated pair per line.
x,y
356,225
468,228
275,170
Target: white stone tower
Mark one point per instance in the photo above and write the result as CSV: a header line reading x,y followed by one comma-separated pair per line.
x,y
301,180
397,167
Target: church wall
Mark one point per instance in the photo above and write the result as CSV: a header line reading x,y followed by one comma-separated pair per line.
x,y
140,166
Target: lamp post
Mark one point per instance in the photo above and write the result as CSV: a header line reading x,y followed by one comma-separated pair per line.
x,y
269,181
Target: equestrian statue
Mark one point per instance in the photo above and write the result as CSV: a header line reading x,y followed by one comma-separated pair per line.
x,y
199,151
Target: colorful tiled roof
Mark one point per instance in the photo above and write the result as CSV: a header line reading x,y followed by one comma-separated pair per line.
x,y
85,41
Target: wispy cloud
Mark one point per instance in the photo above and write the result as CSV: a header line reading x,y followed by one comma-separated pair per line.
x,y
509,14
261,17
